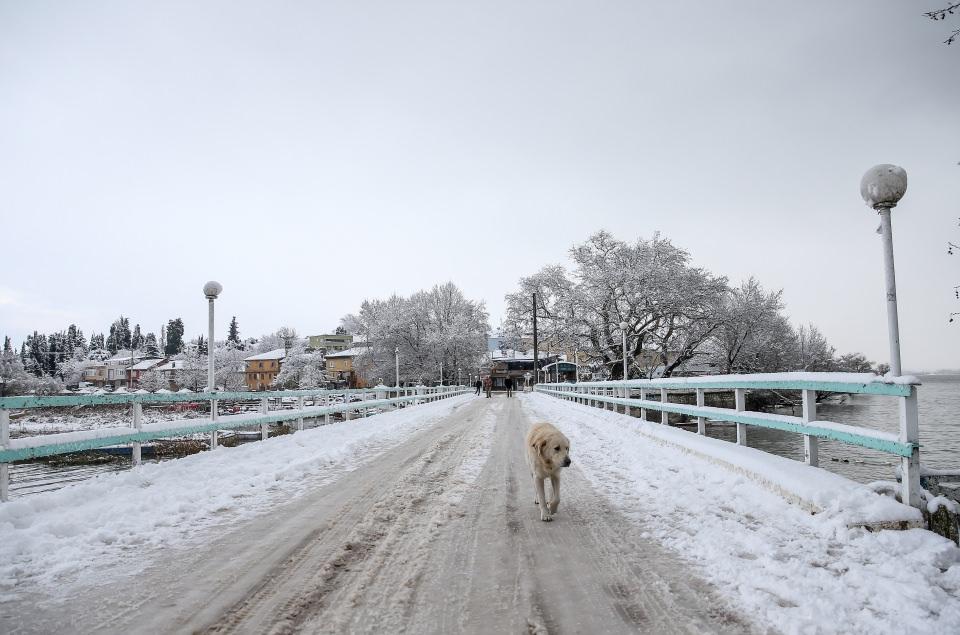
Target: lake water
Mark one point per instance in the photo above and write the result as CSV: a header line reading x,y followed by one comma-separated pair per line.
x,y
939,403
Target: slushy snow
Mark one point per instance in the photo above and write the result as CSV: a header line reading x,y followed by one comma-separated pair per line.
x,y
790,570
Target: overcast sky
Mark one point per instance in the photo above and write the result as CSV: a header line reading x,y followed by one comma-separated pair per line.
x,y
309,155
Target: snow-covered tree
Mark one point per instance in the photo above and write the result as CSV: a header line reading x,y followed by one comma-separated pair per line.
x,y
751,320
16,380
150,346
233,333
228,366
671,308
152,380
430,328
174,337
136,338
301,370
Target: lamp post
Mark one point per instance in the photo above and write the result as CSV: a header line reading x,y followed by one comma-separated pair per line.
x,y
458,377
211,290
882,187
623,331
396,353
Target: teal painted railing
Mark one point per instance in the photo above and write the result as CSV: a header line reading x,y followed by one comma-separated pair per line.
x,y
633,394
25,448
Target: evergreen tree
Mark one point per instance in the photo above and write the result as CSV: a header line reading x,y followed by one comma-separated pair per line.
x,y
6,344
233,334
111,344
201,346
97,341
136,339
163,339
150,347
174,343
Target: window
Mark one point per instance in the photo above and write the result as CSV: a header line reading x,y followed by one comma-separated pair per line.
x,y
261,365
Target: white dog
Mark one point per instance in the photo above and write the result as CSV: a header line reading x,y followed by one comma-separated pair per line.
x,y
548,451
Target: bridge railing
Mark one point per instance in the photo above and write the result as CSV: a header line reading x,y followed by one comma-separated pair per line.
x,y
634,394
330,402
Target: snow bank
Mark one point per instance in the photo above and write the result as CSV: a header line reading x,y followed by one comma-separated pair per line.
x,y
792,571
75,533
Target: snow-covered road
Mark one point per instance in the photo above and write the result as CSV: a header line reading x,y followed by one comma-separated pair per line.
x,y
423,520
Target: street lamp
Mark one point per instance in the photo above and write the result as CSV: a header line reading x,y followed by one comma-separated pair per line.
x,y
396,353
623,330
882,187
211,290
458,377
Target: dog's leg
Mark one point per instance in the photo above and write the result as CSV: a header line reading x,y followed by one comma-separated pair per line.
x,y
555,493
544,508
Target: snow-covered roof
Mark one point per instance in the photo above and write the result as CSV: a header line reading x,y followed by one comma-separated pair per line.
x,y
173,364
277,353
350,352
509,353
147,364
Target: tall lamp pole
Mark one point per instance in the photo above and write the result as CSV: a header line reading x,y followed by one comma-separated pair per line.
x,y
211,290
882,187
396,354
623,330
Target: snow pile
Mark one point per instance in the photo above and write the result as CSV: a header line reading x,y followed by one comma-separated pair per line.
x,y
73,534
790,570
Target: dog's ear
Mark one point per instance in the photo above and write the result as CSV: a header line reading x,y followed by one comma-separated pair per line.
x,y
540,447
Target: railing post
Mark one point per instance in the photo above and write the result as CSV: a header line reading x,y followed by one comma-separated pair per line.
x,y
264,427
740,402
4,443
701,421
135,451
611,392
910,465
626,395
213,417
810,447
664,415
643,397
300,418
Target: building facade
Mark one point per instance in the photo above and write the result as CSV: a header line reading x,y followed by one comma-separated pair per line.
x,y
330,343
261,370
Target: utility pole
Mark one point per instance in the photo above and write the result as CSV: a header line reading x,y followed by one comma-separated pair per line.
x,y
536,346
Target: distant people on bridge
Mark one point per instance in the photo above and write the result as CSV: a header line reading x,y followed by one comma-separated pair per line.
x,y
509,384
487,385
478,385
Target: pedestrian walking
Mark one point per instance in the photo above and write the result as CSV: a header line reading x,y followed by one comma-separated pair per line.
x,y
478,385
487,385
509,384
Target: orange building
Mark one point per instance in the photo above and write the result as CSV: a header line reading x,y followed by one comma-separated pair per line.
x,y
260,370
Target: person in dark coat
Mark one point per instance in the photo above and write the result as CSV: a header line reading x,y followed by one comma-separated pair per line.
x,y
509,384
478,385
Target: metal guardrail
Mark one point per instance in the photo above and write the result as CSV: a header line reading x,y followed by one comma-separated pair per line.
x,y
906,444
25,448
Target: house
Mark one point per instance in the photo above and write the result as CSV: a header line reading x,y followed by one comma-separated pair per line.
x,y
95,372
172,372
330,343
134,372
503,363
118,367
341,369
260,370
